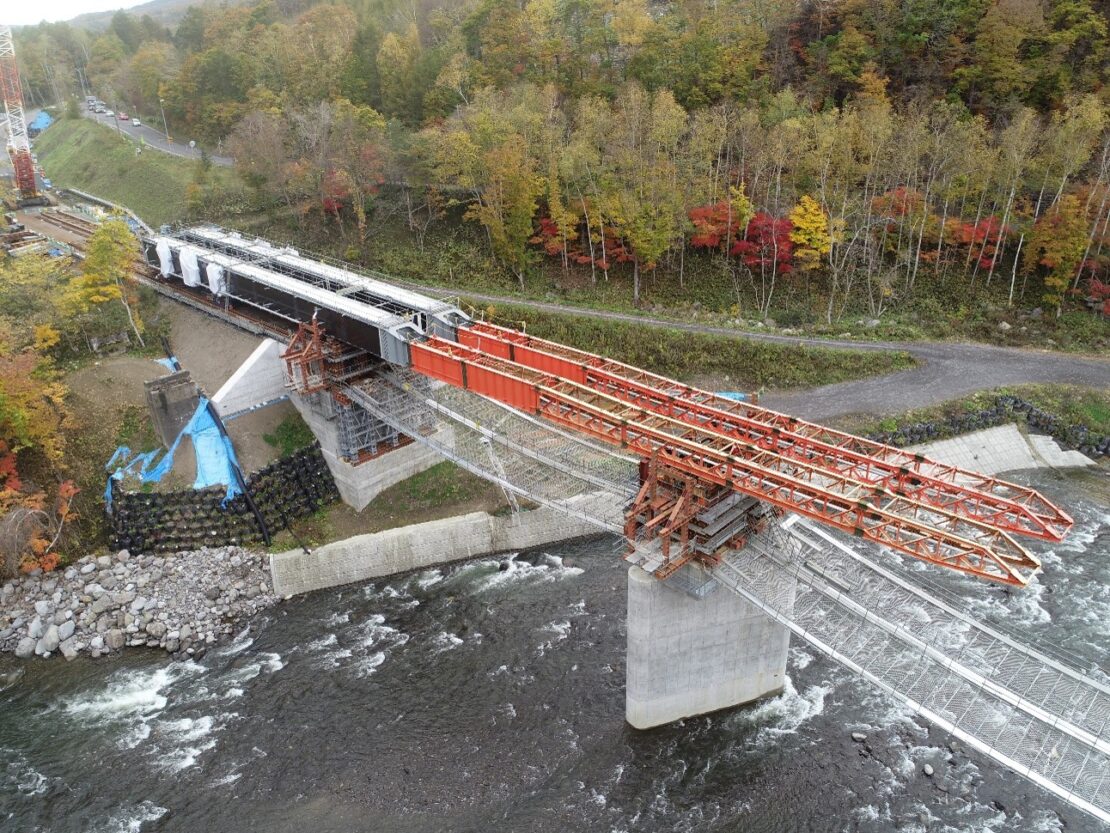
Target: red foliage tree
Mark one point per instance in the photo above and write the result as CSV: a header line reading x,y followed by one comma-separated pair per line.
x,y
983,238
714,225
766,244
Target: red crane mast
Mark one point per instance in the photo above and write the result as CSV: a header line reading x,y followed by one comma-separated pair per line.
x,y
19,143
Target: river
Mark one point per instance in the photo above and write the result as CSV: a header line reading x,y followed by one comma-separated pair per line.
x,y
473,698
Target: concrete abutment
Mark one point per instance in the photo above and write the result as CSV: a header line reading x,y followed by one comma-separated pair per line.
x,y
689,656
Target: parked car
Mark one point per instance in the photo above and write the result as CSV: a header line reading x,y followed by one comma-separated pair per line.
x,y
99,108
122,116
109,113
135,122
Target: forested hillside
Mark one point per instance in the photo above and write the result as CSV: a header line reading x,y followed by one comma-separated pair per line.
x,y
843,158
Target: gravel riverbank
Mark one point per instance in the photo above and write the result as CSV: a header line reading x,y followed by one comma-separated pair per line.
x,y
181,603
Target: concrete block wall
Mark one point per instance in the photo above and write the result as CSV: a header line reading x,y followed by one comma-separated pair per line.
x,y
420,546
690,656
259,380
172,400
999,449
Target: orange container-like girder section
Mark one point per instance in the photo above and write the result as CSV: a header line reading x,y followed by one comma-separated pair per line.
x,y
1003,505
869,511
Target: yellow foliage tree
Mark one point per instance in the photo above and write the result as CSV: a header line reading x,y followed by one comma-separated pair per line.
x,y
810,233
107,275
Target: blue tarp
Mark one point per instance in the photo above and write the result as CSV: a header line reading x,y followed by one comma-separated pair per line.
x,y
41,121
216,461
735,395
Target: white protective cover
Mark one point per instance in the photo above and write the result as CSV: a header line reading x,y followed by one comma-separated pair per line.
x,y
190,268
216,282
165,257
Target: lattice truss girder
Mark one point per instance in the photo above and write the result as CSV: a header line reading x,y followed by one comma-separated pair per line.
x,y
1001,504
1030,712
926,532
521,454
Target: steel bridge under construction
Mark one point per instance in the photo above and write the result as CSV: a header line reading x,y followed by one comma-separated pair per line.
x,y
711,495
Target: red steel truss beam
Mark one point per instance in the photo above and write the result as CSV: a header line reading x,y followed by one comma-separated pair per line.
x,y
993,501
928,533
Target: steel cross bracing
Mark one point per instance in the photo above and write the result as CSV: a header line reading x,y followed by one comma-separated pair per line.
x,y
867,510
1027,711
1006,506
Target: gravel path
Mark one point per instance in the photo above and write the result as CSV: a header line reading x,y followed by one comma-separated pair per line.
x,y
947,370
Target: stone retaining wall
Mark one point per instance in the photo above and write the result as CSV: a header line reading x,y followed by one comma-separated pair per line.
x,y
188,519
1005,409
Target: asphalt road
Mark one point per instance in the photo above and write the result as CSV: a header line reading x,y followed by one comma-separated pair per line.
x,y
154,138
946,370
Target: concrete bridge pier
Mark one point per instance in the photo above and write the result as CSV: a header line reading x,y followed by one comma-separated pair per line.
x,y
689,656
359,482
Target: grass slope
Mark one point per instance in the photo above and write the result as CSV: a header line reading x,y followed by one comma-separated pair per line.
x,y
78,153
704,359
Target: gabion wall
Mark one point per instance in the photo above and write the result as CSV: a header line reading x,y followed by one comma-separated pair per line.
x,y
290,488
1005,409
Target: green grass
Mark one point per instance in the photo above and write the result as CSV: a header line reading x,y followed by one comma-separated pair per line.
x,y
290,435
739,363
81,154
1073,404
136,431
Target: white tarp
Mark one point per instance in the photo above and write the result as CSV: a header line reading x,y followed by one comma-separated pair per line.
x,y
216,279
165,257
190,268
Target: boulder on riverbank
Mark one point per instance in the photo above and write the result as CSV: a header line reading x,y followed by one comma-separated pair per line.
x,y
180,603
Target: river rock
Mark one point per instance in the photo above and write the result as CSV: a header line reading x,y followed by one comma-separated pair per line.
x,y
68,649
96,643
139,604
88,568
25,648
123,556
928,770
65,630
49,641
103,561
859,737
34,630
115,639
156,629
43,607
103,604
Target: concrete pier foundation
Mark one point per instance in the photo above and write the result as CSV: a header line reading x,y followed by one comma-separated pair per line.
x,y
689,656
359,482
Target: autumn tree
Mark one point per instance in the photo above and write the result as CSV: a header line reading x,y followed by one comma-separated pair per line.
x,y
507,203
1057,243
107,276
809,233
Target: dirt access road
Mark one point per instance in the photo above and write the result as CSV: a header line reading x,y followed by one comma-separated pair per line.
x,y
946,370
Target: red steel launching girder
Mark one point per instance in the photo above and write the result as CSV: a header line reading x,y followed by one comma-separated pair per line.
x,y
993,501
928,533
